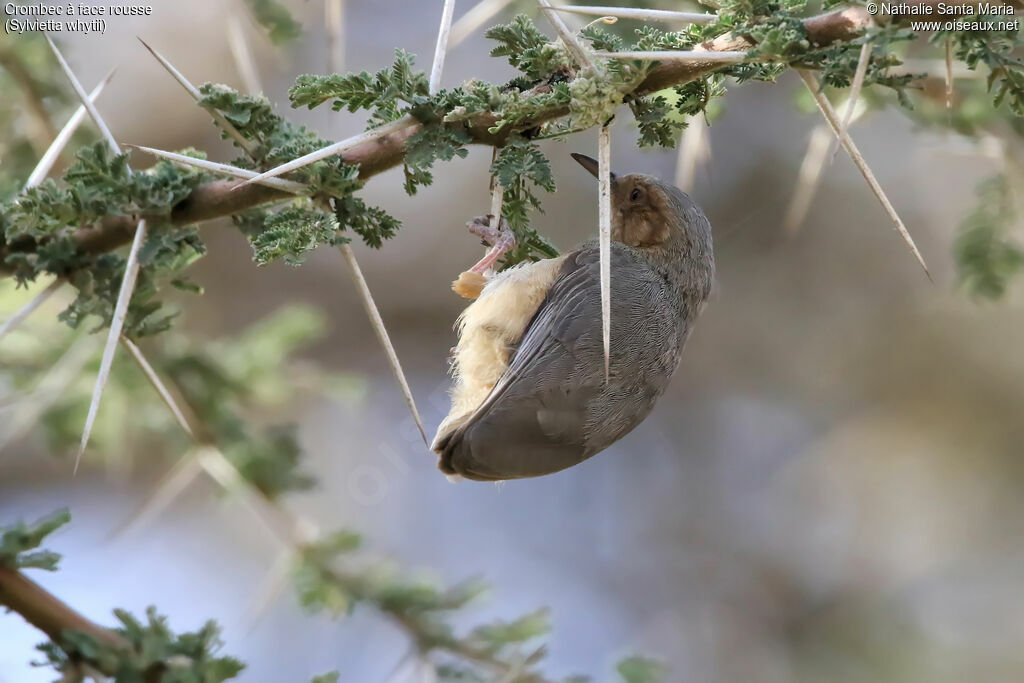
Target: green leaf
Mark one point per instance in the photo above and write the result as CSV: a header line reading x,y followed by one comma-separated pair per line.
x,y
19,543
641,670
276,19
986,258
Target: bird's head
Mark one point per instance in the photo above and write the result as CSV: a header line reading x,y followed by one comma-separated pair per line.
x,y
650,213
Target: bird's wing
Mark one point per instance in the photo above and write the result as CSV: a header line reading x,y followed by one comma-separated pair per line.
x,y
535,419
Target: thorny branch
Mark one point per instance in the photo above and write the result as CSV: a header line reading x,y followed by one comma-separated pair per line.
x,y
222,198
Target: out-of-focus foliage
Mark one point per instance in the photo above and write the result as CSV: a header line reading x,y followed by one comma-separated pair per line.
x,y
152,651
328,578
19,543
275,19
227,383
986,256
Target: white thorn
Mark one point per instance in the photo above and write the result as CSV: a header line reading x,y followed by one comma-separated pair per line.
x,y
337,148
604,153
334,17
244,173
161,388
84,98
171,485
382,333
218,118
858,159
49,389
642,14
855,87
30,307
442,45
48,159
578,52
807,179
692,56
474,19
131,273
693,149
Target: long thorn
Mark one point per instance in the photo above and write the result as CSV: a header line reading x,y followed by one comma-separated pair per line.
x,y
642,14
578,52
851,103
476,17
334,18
225,125
337,148
244,173
84,98
53,152
51,388
604,153
441,48
808,178
171,485
161,388
382,333
30,307
949,73
858,159
693,56
693,149
131,273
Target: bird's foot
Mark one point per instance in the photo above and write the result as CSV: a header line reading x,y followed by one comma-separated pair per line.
x,y
500,239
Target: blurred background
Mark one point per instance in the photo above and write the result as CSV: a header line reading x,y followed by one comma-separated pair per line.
x,y
829,491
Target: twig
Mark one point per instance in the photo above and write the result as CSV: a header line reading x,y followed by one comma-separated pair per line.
x,y
476,17
382,333
30,307
604,152
53,152
277,183
338,148
682,56
642,14
833,121
197,96
47,613
380,152
442,45
571,44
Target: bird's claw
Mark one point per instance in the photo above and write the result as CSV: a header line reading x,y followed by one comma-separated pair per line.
x,y
482,227
499,238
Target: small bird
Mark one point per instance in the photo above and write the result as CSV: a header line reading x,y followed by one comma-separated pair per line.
x,y
530,396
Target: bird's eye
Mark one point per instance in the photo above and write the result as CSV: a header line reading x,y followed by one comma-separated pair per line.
x,y
635,194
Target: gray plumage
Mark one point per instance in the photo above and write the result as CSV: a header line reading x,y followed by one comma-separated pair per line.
x,y
552,407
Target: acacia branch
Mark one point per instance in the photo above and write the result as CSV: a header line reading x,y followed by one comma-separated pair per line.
x,y
220,198
48,613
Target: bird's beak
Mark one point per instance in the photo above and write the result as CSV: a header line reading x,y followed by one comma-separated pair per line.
x,y
590,164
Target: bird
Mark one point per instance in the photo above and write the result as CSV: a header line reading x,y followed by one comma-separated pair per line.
x,y
530,396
